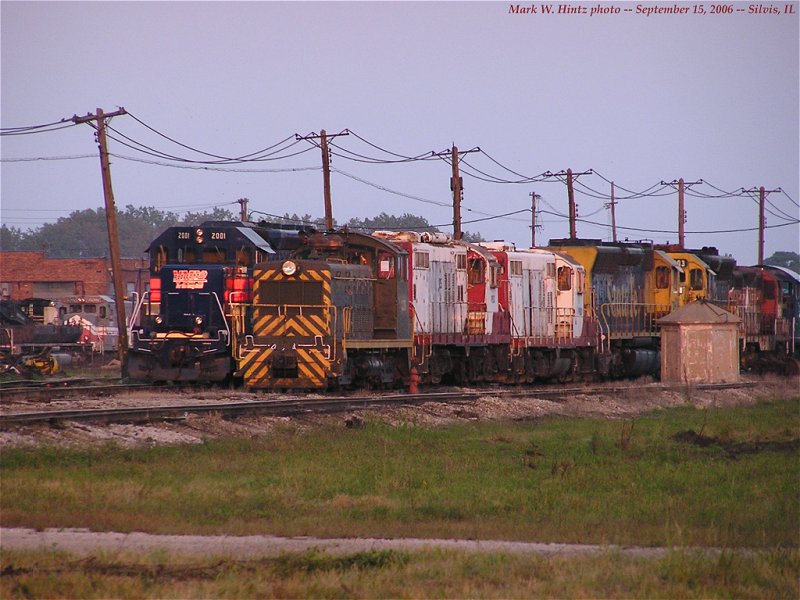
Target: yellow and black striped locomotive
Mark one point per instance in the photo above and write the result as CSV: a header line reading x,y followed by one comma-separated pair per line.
x,y
335,314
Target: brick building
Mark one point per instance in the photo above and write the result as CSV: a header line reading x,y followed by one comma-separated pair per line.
x,y
34,275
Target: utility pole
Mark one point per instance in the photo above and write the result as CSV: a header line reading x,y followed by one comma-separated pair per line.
x,y
113,233
573,208
457,186
243,210
573,213
681,211
326,170
533,196
762,197
612,205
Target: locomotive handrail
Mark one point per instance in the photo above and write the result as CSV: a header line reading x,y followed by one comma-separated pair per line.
x,y
422,336
134,316
623,320
224,320
329,310
134,334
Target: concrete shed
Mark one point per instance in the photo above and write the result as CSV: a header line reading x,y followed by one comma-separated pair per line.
x,y
699,344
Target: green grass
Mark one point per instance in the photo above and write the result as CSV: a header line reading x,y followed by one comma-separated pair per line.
x,y
562,480
393,574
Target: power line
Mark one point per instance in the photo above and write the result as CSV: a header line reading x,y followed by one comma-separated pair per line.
x,y
213,168
45,158
673,232
240,158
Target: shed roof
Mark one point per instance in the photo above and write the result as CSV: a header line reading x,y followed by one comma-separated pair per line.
x,y
699,312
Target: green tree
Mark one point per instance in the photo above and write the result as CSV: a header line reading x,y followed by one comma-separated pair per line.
x,y
218,214
405,222
790,260
11,238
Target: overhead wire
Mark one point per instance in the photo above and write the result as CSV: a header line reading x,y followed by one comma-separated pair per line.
x,y
31,131
204,167
243,157
671,231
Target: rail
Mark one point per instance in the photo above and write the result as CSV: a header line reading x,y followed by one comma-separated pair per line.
x,y
299,405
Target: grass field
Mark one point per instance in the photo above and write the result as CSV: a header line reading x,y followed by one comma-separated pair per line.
x,y
725,478
392,574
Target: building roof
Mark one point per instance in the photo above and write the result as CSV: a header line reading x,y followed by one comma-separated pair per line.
x,y
699,312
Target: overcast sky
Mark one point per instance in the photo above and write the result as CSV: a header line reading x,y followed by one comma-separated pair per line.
x,y
637,99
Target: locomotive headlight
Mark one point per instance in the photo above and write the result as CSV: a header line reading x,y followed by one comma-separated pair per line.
x,y
289,268
159,320
198,320
198,235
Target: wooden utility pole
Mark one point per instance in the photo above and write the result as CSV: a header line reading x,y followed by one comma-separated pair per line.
x,y
613,214
326,171
326,180
681,215
573,208
762,222
243,209
457,186
761,198
534,196
681,211
113,233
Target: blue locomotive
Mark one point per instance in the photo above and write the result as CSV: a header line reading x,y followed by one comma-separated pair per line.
x,y
196,275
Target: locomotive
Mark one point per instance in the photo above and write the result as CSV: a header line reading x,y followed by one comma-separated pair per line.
x,y
282,307
182,326
350,308
96,316
767,300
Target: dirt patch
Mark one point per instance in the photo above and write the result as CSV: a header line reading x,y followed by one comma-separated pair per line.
x,y
83,542
733,448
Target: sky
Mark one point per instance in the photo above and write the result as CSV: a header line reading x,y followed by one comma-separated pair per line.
x,y
636,99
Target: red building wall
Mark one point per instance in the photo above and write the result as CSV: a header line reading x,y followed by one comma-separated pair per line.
x,y
31,274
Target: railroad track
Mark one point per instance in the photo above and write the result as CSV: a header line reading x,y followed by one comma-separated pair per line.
x,y
44,390
300,405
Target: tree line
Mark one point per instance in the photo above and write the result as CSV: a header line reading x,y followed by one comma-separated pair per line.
x,y
83,234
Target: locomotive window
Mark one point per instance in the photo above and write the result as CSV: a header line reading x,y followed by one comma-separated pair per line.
x,y
213,255
662,278
159,257
551,269
515,268
90,308
696,279
494,276
187,256
244,257
422,260
76,308
461,262
102,312
475,273
564,279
